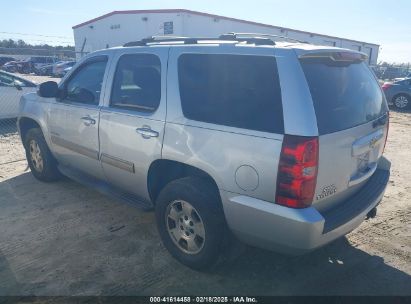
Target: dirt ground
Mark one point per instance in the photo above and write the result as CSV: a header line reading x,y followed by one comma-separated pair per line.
x,y
65,239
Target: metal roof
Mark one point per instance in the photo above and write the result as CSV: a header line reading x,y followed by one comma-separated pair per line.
x,y
128,12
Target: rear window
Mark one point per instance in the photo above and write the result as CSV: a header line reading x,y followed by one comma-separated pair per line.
x,y
344,95
240,91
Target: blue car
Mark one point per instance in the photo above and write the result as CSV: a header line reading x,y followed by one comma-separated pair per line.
x,y
398,93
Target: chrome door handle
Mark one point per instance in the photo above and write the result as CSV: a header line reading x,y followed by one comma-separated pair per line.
x,y
146,132
87,120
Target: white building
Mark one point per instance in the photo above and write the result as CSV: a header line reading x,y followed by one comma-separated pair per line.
x,y
119,27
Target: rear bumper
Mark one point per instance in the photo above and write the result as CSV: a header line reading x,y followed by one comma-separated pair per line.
x,y
297,231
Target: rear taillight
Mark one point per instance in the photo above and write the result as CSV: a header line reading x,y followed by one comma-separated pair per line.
x,y
297,171
386,86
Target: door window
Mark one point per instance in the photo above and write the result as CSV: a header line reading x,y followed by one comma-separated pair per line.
x,y
137,83
85,84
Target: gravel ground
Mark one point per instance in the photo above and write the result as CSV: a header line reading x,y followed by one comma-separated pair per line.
x,y
65,239
10,144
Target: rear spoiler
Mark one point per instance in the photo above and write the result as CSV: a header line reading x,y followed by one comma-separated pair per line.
x,y
337,56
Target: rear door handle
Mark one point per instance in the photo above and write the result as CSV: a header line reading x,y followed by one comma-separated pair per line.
x,y
146,132
87,120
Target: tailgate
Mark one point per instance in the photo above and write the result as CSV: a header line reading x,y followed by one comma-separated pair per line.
x,y
352,122
347,159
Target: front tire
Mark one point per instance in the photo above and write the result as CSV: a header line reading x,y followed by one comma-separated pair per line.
x,y
41,162
401,102
191,222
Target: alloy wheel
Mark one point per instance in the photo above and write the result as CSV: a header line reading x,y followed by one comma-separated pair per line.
x,y
36,156
401,102
185,226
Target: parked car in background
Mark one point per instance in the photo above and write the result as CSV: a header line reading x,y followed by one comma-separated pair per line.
x,y
12,88
408,75
283,145
35,63
56,69
398,93
377,71
29,65
25,66
5,59
59,69
46,70
392,73
66,70
11,66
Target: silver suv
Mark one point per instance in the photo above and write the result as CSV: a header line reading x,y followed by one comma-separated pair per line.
x,y
278,143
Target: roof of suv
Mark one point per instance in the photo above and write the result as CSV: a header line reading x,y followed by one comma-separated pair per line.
x,y
243,39
249,40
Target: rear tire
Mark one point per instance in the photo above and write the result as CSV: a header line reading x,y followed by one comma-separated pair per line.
x,y
41,162
191,222
401,102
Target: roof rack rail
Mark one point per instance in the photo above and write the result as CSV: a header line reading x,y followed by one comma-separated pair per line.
x,y
195,40
162,39
261,35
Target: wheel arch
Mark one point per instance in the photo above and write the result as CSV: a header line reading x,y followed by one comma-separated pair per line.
x,y
163,171
25,124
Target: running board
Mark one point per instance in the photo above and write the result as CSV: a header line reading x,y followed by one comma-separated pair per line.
x,y
105,188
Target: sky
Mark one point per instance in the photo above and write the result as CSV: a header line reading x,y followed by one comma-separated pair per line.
x,y
382,22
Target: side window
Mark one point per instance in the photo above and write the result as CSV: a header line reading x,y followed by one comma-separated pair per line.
x,y
85,84
137,83
241,91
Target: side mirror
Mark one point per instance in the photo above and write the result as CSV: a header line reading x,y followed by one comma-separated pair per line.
x,y
18,87
48,89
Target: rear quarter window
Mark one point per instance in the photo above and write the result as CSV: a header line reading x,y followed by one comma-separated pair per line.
x,y
241,91
344,95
